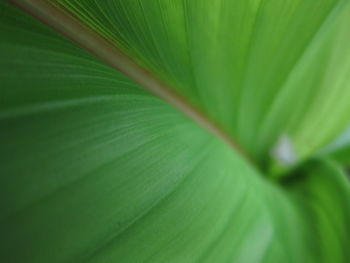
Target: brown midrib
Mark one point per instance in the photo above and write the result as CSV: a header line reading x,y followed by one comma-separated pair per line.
x,y
62,21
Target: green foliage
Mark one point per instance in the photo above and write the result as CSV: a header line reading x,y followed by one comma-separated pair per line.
x,y
259,68
96,169
339,149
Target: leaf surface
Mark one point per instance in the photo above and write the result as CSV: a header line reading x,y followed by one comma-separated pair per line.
x,y
261,69
95,169
339,149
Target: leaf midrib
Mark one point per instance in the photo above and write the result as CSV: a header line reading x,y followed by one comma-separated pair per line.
x,y
67,24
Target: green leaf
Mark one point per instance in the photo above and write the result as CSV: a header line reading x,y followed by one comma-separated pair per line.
x,y
339,149
261,69
95,169
343,156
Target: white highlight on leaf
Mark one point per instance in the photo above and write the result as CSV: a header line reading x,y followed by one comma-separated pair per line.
x,y
284,152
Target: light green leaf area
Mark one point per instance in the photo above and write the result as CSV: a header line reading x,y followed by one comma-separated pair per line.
x,y
95,169
261,69
339,149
